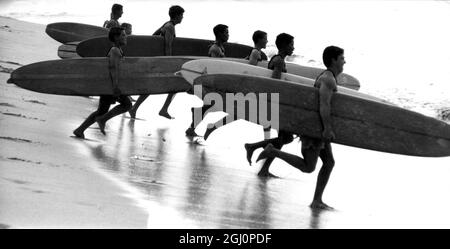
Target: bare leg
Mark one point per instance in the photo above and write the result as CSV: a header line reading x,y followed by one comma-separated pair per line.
x,y
103,106
136,105
79,132
326,155
306,165
264,171
164,110
125,105
191,130
250,148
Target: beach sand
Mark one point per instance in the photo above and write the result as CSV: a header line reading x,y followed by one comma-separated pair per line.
x,y
147,174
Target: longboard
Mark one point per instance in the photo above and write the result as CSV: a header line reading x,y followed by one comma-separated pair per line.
x,y
65,32
141,45
195,68
356,122
90,76
68,51
343,79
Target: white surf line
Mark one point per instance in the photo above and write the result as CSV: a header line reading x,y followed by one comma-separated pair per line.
x,y
159,216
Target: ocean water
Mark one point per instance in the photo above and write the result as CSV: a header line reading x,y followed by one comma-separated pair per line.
x,y
397,49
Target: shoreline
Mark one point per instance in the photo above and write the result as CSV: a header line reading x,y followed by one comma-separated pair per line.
x,y
39,188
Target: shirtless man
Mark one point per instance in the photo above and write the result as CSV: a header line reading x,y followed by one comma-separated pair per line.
x,y
285,45
116,13
119,38
313,148
218,51
168,32
221,33
260,40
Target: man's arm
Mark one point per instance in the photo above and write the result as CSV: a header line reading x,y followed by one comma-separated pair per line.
x,y
168,40
277,68
325,93
255,56
114,64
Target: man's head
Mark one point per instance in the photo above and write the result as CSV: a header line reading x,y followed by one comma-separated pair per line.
x,y
285,43
333,57
176,13
117,10
260,38
128,28
117,35
221,32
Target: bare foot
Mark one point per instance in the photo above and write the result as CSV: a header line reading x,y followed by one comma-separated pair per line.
x,y
101,125
165,114
320,205
78,134
249,153
190,132
208,132
267,152
266,174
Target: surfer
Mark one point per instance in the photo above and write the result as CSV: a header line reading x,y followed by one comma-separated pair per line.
x,y
116,13
102,115
216,50
313,148
285,45
167,30
260,40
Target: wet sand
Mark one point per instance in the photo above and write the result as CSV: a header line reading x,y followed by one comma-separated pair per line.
x,y
146,174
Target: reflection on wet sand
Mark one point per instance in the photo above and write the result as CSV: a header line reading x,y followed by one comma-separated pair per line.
x,y
198,183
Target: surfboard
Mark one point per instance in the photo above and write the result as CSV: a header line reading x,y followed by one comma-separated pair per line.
x,y
356,122
140,45
68,51
343,79
65,32
90,76
195,68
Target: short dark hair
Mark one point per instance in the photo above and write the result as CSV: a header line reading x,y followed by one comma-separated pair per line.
x,y
116,7
331,52
219,29
175,11
114,32
283,40
258,35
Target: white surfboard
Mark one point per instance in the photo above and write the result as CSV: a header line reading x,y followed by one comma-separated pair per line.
x,y
196,68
